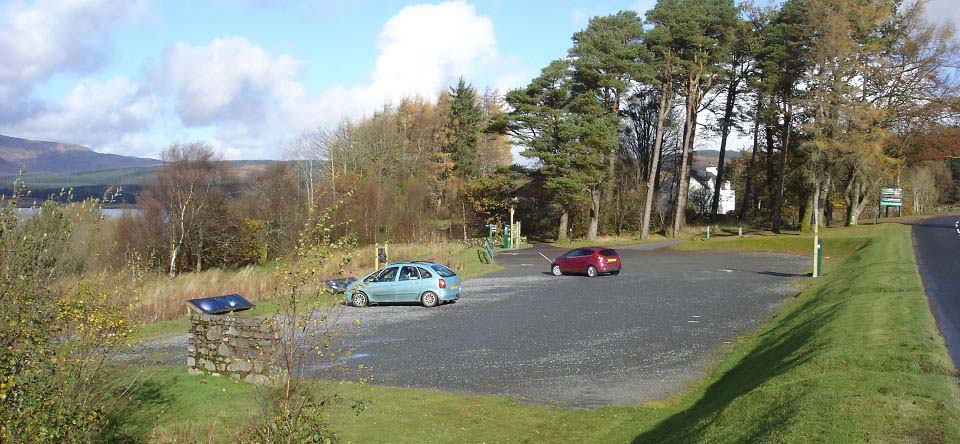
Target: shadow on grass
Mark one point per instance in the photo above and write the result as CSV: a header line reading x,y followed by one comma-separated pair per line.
x,y
131,421
779,350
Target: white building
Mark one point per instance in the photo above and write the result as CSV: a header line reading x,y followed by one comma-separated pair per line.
x,y
700,193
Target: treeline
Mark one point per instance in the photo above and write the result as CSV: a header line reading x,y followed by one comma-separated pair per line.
x,y
408,173
838,98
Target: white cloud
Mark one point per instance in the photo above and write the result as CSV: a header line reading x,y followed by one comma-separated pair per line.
x,y
421,50
54,36
230,79
232,92
423,46
107,115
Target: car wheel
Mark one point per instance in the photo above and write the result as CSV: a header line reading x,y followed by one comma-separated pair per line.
x,y
591,271
360,299
429,299
556,270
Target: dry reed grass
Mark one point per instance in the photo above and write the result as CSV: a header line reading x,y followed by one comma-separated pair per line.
x,y
156,297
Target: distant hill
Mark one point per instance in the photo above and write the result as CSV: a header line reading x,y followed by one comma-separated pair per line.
x,y
40,157
52,167
711,157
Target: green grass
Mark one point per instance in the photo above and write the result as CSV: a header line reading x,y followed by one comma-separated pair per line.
x,y
471,264
609,241
171,402
837,243
856,357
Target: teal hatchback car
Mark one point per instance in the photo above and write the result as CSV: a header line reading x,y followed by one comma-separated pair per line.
x,y
428,283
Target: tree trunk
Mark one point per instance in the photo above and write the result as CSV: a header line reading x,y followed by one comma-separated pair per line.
x,y
562,232
683,177
771,171
463,214
778,203
827,203
804,216
174,251
594,214
666,101
751,168
200,256
853,197
861,201
815,204
724,133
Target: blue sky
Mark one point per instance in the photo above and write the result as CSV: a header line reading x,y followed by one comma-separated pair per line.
x,y
249,76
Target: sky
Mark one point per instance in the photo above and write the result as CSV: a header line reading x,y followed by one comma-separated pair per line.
x,y
249,76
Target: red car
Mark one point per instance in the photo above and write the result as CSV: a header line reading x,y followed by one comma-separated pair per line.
x,y
589,260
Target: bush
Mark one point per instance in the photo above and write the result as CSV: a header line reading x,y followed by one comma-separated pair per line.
x,y
56,337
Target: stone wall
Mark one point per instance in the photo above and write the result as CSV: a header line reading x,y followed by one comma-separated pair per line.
x,y
244,349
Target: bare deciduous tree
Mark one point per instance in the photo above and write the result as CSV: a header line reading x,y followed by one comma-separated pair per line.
x,y
185,186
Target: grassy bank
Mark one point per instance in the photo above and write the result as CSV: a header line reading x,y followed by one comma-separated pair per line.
x,y
856,357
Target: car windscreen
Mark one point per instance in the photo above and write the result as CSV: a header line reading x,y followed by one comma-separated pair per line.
x,y
608,252
443,271
387,275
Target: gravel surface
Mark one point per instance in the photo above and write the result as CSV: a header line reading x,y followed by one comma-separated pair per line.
x,y
573,340
568,340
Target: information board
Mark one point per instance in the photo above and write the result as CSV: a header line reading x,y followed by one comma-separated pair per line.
x,y
891,197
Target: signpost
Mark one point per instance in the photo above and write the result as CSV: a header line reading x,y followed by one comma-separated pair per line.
x,y
892,197
382,256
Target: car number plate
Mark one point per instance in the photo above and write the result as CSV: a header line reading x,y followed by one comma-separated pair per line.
x,y
454,287
612,259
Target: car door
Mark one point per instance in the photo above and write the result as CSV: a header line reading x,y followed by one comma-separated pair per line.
x,y
568,262
381,289
582,260
408,285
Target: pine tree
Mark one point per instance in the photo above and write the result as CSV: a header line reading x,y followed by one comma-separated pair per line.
x,y
463,129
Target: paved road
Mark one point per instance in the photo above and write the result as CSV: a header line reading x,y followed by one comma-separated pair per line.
x,y
937,243
574,340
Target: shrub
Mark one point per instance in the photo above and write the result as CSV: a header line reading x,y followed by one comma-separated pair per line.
x,y
56,337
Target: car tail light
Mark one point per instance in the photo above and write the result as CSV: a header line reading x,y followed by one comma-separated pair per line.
x,y
596,255
443,283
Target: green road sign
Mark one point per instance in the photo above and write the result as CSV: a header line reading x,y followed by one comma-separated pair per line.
x,y
891,197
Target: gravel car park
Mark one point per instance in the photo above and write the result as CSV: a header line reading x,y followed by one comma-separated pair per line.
x,y
523,332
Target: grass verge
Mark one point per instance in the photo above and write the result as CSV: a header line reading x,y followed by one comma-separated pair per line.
x,y
856,357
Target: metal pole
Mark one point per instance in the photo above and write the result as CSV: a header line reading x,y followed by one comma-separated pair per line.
x,y
740,231
511,228
708,231
819,257
816,243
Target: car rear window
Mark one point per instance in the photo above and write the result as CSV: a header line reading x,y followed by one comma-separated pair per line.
x,y
608,252
443,271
